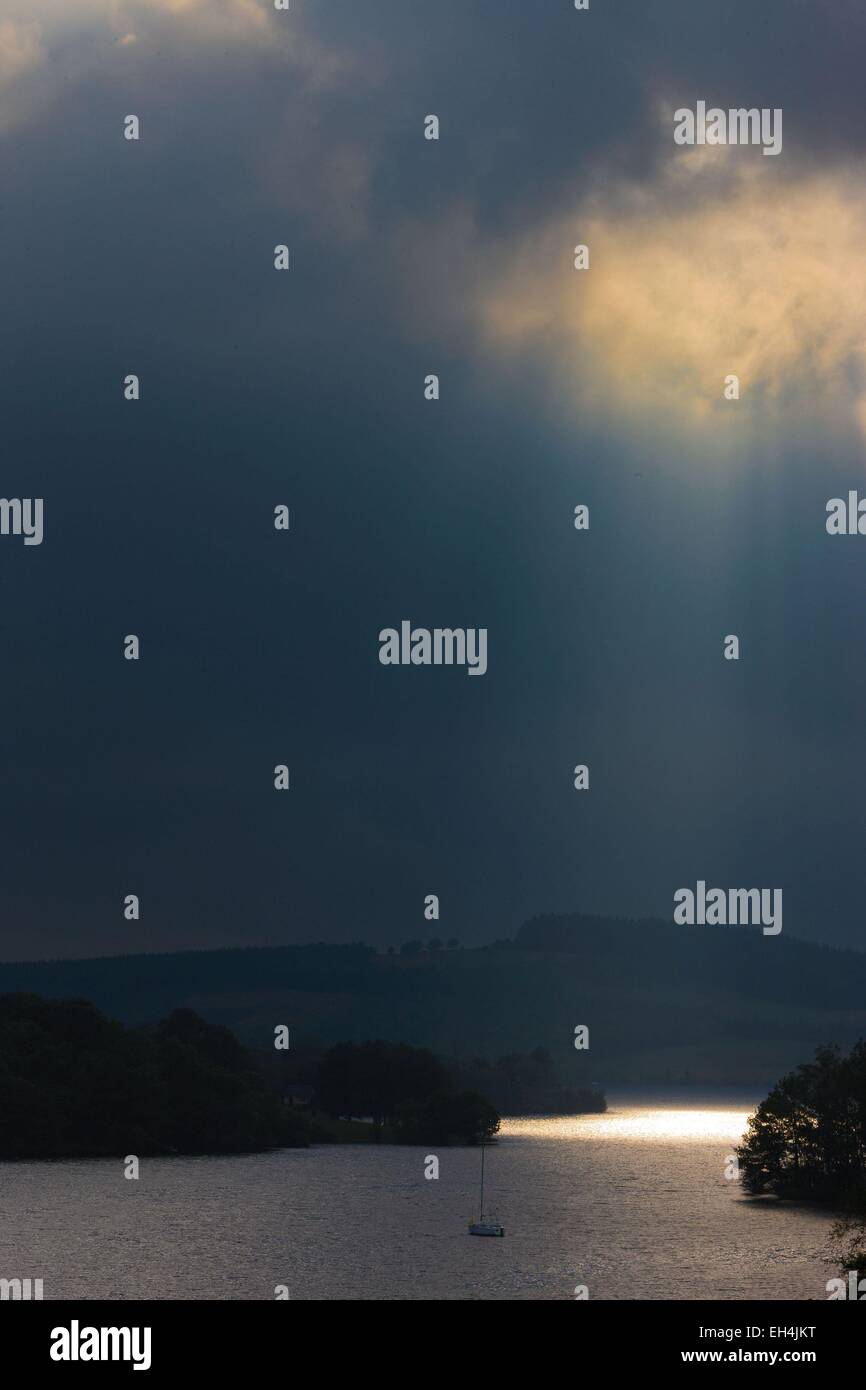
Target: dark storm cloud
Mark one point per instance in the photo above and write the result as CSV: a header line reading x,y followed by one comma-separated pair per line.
x,y
259,388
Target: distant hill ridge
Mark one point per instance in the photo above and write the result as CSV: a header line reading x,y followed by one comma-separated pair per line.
x,y
740,958
664,1003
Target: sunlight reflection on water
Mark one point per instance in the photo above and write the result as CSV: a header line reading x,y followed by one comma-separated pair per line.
x,y
638,1123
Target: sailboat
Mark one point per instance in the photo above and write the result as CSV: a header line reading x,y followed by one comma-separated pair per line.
x,y
482,1227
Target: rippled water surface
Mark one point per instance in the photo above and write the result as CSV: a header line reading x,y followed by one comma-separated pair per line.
x,y
632,1204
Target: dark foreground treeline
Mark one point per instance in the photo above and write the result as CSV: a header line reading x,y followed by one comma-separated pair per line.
x,y
807,1140
406,1093
76,1084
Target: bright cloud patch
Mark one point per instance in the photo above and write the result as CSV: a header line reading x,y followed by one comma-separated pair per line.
x,y
715,269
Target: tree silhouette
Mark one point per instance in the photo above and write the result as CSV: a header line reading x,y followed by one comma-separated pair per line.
x,y
808,1138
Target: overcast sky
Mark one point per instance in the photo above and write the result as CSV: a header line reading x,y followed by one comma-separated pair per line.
x,y
558,387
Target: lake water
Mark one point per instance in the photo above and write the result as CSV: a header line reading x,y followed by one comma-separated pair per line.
x,y
632,1204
